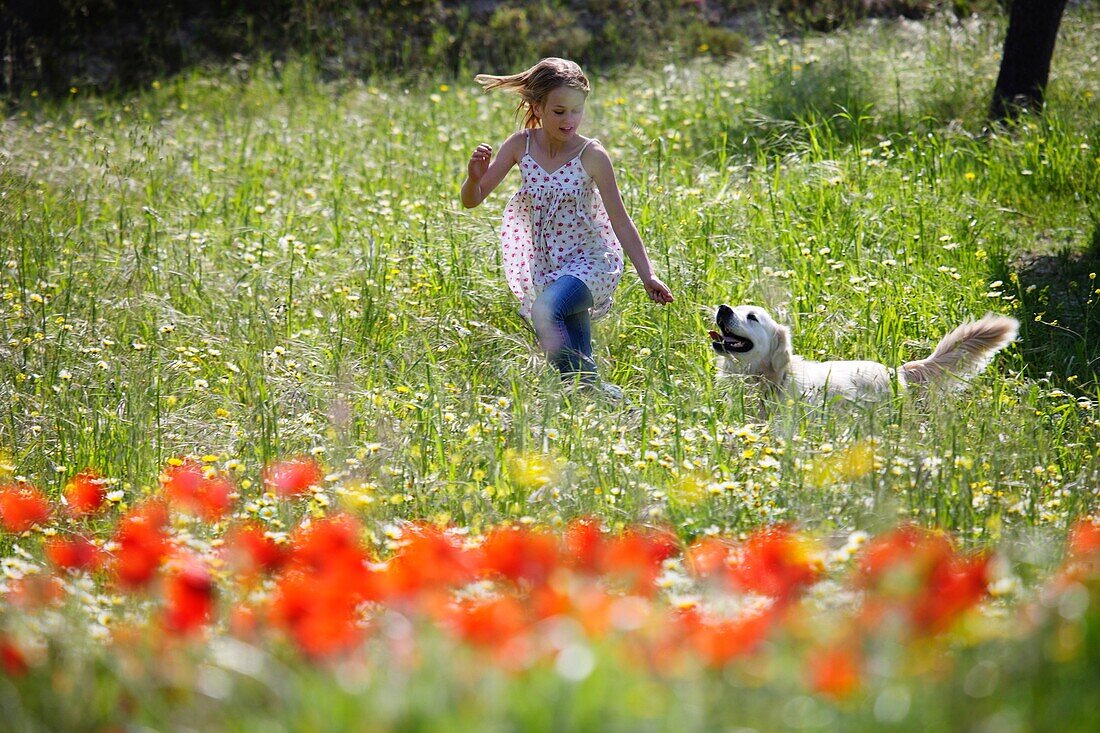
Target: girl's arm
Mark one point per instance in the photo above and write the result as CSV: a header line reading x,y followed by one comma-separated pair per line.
x,y
598,165
483,176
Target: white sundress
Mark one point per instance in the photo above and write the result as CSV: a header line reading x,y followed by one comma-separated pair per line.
x,y
556,225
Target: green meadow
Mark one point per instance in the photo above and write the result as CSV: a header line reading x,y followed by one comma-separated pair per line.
x,y
240,264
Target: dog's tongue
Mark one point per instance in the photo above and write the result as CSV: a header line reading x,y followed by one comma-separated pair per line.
x,y
714,335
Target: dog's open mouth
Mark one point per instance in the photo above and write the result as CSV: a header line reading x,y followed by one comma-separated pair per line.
x,y
726,343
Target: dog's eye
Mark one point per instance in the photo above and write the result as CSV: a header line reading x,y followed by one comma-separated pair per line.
x,y
752,317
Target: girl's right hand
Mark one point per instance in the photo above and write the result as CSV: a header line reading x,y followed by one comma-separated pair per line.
x,y
479,162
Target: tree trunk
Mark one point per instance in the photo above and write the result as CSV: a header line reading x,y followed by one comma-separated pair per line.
x,y
1025,63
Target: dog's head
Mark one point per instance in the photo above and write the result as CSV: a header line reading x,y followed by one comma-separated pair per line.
x,y
750,337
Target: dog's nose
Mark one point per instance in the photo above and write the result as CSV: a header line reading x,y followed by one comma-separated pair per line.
x,y
724,313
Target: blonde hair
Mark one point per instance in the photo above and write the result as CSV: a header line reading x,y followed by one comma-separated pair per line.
x,y
536,83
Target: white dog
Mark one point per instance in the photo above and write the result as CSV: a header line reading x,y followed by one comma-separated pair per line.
x,y
749,342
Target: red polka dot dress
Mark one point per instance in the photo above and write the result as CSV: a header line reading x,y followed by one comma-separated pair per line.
x,y
556,225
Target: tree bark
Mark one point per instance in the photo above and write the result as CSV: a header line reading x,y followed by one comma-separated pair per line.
x,y
1025,63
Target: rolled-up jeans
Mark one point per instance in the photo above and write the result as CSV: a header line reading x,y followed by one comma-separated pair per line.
x,y
564,328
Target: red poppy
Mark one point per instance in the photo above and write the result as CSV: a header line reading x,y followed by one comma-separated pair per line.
x,y
21,507
322,586
188,595
491,622
252,552
142,545
73,553
953,585
293,476
709,557
774,562
428,560
583,545
189,488
520,555
12,659
1084,540
85,493
834,671
636,557
720,641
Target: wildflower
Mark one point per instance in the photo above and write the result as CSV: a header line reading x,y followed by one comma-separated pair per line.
x,y
719,641
142,545
12,660
189,488
73,553
292,477
635,557
252,551
520,555
321,587
21,507
775,562
834,671
188,595
428,559
487,622
85,493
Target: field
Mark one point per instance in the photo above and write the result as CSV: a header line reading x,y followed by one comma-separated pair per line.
x,y
247,302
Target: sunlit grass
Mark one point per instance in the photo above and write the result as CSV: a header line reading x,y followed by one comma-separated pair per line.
x,y
233,267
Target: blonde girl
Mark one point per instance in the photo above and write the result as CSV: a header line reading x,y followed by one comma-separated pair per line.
x,y
566,228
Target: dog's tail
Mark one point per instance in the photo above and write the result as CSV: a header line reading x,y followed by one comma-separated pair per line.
x,y
964,352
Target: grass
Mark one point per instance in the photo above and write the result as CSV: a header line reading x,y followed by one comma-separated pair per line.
x,y
251,263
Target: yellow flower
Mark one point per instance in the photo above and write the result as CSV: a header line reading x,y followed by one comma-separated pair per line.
x,y
531,470
969,175
850,464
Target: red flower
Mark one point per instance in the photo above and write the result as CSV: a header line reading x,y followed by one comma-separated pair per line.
x,y
188,595
22,507
921,576
774,562
583,545
292,477
85,493
142,545
12,659
720,641
1084,540
490,622
73,553
520,555
252,552
835,671
188,488
318,595
429,560
953,585
636,557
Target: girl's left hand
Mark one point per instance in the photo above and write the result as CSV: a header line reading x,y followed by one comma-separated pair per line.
x,y
658,292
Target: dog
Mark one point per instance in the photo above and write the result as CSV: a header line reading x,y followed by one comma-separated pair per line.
x,y
748,341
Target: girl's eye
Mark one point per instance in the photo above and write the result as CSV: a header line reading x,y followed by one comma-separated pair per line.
x,y
752,317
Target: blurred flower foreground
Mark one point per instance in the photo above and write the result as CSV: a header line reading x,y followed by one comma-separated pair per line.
x,y
178,584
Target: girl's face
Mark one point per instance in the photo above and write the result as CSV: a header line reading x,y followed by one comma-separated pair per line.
x,y
561,113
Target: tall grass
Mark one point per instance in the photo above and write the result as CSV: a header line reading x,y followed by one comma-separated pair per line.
x,y
251,263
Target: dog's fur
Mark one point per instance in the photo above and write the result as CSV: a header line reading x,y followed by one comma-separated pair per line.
x,y
749,342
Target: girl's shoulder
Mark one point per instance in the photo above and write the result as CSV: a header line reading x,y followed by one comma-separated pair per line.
x,y
514,146
594,156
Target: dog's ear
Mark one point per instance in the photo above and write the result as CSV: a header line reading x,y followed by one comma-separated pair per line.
x,y
780,357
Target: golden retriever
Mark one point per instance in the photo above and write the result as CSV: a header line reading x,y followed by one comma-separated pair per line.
x,y
749,342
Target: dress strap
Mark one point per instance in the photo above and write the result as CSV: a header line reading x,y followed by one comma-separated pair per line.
x,y
527,148
590,141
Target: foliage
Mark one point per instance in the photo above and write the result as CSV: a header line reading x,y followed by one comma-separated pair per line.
x,y
119,44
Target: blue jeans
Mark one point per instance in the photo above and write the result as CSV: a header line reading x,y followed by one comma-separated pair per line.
x,y
563,326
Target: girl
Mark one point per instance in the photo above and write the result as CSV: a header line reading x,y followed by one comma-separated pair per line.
x,y
566,228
